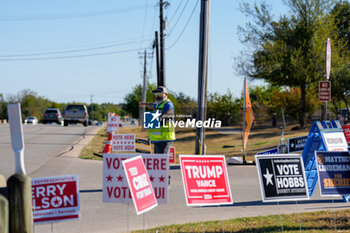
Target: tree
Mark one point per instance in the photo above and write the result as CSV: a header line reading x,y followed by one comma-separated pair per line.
x,y
286,52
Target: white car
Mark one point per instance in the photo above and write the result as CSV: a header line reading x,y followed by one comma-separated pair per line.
x,y
31,120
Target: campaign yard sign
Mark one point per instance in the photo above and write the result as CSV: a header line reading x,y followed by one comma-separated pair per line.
x,y
172,155
55,199
123,142
335,141
296,144
139,184
346,130
269,152
115,186
113,123
333,169
281,177
205,180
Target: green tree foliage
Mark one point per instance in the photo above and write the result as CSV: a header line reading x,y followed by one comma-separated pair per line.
x,y
224,107
287,51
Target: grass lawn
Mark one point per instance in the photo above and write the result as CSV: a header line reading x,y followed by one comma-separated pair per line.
x,y
321,221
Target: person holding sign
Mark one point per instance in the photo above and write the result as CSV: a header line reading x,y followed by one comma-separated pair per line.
x,y
162,137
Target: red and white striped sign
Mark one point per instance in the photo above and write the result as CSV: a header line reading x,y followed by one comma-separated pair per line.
x,y
55,199
172,155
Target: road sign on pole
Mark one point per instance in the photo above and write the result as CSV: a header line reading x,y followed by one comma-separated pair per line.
x,y
324,91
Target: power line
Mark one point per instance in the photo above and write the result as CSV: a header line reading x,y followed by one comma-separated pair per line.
x,y
184,26
69,16
183,10
66,51
71,56
178,7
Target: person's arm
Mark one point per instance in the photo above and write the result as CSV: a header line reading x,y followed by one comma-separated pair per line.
x,y
146,104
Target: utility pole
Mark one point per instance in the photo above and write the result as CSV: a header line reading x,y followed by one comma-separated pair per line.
x,y
91,116
156,47
202,75
144,86
162,26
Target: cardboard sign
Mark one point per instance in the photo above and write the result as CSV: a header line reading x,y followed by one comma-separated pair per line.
x,y
113,123
324,91
142,146
172,155
346,129
115,186
335,141
281,177
333,168
296,144
139,184
205,180
55,199
123,142
269,152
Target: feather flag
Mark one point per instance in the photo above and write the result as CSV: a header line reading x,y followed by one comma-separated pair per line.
x,y
248,115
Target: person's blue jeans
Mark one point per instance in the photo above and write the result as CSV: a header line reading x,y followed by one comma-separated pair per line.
x,y
162,147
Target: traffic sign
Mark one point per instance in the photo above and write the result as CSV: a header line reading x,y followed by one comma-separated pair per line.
x,y
55,199
324,91
172,155
139,184
282,177
296,144
205,180
328,58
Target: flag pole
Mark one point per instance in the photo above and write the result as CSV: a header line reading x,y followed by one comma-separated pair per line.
x,y
244,111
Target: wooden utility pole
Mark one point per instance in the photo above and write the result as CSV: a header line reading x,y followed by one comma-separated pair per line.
x,y
202,75
162,43
156,47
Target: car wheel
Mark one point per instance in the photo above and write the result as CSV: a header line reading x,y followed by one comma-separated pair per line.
x,y
85,123
65,123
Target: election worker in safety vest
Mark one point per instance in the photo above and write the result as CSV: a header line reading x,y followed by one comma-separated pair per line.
x,y
163,137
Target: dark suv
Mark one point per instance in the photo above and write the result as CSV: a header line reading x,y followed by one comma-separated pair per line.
x,y
76,113
52,115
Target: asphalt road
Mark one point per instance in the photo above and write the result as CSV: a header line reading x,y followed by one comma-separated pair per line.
x,y
54,158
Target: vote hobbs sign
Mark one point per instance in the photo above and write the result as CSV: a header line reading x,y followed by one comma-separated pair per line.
x,y
282,177
205,180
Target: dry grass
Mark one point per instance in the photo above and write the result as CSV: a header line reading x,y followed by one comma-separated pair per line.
x,y
261,138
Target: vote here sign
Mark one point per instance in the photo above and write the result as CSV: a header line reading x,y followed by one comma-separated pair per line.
x,y
139,184
55,199
115,185
123,142
282,177
205,180
334,172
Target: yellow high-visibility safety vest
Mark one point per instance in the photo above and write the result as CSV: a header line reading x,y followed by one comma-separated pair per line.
x,y
164,133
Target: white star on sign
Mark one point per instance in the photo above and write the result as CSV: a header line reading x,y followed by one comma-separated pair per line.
x,y
156,115
292,145
268,177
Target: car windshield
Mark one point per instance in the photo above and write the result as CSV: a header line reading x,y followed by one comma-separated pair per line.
x,y
76,107
51,111
30,118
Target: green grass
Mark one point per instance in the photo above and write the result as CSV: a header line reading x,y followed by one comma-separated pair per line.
x,y
321,221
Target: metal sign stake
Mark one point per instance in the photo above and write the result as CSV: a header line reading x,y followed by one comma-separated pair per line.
x,y
222,220
335,219
278,203
298,216
127,218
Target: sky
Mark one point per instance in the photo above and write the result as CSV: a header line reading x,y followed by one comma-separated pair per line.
x,y
91,50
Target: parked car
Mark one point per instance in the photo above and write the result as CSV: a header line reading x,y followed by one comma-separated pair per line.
x,y
31,120
52,115
76,113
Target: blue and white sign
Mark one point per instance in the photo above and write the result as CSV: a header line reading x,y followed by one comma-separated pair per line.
x,y
152,120
334,172
296,144
268,152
